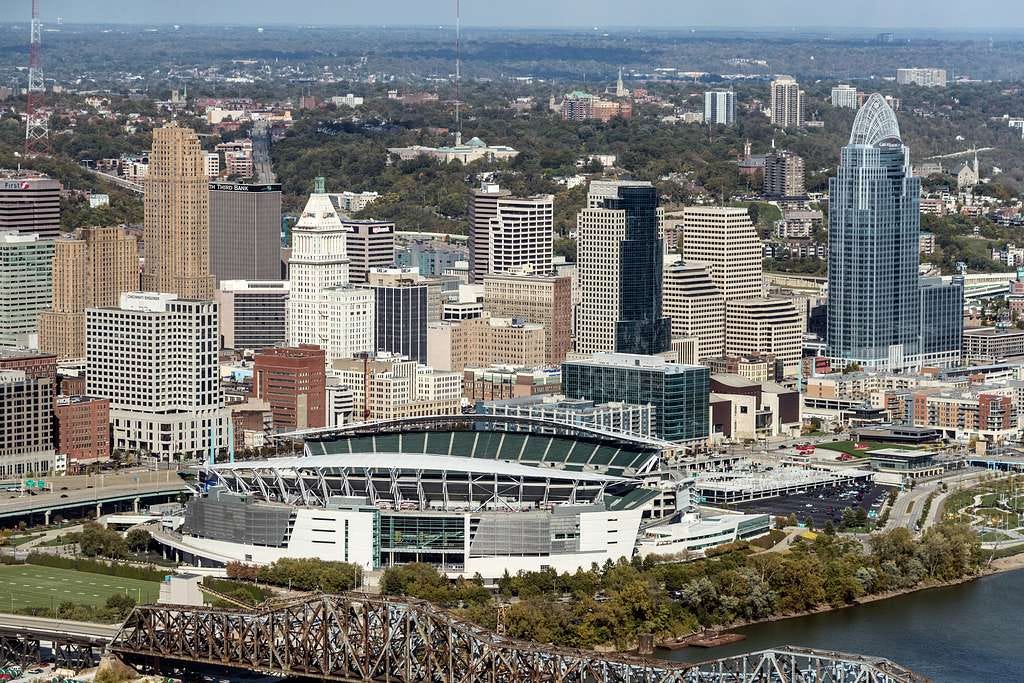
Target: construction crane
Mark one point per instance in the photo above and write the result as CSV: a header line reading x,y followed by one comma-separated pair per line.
x,y
37,121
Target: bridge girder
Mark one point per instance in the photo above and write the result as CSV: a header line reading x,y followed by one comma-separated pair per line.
x,y
357,638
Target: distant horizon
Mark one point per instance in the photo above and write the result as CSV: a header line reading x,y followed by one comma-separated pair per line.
x,y
50,24
874,15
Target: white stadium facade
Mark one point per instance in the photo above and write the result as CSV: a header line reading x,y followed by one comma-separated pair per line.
x,y
471,495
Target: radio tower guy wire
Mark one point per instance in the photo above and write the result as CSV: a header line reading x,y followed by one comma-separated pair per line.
x,y
458,71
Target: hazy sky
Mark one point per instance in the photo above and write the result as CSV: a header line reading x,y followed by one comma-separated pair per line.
x,y
952,14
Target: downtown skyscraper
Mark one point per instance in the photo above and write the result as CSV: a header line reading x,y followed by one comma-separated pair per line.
x,y
874,290
323,308
620,271
177,216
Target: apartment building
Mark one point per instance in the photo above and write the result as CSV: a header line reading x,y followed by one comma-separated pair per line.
x,y
389,388
485,341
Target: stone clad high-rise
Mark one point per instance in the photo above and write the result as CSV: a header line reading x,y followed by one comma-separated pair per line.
x,y
91,271
177,216
874,304
323,308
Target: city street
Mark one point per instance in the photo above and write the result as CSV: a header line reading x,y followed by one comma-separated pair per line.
x,y
910,504
261,153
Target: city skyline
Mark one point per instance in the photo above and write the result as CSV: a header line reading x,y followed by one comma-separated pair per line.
x,y
986,14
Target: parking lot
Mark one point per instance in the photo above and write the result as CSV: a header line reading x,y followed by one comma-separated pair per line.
x,y
822,505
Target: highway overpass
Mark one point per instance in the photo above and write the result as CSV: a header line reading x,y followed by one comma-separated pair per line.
x,y
41,507
27,641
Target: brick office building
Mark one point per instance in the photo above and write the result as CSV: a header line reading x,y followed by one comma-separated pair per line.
x,y
83,429
293,380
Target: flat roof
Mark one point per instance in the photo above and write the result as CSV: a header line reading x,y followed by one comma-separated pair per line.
x,y
991,332
779,477
903,453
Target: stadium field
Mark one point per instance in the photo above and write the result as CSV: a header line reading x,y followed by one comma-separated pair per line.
x,y
28,585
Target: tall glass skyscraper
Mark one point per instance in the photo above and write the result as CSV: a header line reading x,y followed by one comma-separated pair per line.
x,y
641,327
620,271
874,302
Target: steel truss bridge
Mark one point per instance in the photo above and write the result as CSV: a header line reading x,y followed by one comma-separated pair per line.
x,y
361,638
26,647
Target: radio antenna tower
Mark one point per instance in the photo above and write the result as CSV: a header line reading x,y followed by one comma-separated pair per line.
x,y
37,123
458,70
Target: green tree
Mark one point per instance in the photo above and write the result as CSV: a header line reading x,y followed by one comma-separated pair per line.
x,y
138,540
97,541
120,604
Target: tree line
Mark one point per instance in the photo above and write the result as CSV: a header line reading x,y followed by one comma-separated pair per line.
x,y
305,574
613,605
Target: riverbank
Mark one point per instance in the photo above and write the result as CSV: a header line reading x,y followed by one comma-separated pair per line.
x,y
958,633
997,566
1007,564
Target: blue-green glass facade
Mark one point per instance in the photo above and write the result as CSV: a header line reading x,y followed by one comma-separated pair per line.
x,y
641,327
679,393
874,302
942,326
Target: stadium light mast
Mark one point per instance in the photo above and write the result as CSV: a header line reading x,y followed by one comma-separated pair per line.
x,y
37,122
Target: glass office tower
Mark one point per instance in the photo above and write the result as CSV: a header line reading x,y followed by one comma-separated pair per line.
x,y
679,393
942,322
402,320
641,327
874,302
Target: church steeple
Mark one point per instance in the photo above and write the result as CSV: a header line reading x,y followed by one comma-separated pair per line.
x,y
620,87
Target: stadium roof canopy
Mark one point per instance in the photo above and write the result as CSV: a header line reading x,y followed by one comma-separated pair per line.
x,y
420,463
422,482
498,438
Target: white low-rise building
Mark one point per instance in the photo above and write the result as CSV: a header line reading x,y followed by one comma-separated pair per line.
x,y
692,532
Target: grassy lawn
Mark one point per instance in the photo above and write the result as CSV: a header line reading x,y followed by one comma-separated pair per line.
x,y
988,490
848,447
998,518
19,540
27,585
993,536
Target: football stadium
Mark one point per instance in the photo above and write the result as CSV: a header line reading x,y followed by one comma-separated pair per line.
x,y
470,494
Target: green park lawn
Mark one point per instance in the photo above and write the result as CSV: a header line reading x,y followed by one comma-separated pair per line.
x,y
27,585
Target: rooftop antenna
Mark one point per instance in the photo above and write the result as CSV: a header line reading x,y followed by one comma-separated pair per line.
x,y
37,123
458,71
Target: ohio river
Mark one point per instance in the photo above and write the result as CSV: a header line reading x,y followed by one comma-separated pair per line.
x,y
959,634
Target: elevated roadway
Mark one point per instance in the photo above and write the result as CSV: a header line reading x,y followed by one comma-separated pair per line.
x,y
47,629
120,490
910,504
137,188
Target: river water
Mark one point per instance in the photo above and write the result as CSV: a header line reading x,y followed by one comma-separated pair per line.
x,y
959,634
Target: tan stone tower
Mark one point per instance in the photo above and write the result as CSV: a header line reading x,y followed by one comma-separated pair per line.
x,y
177,214
92,270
